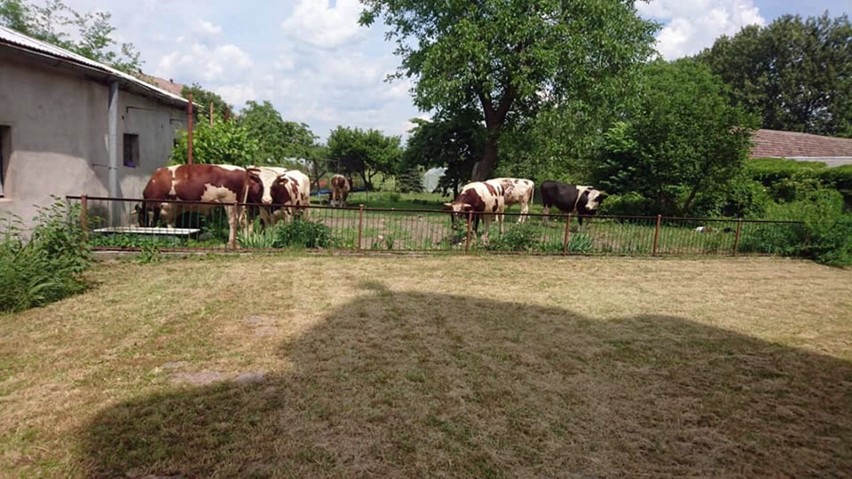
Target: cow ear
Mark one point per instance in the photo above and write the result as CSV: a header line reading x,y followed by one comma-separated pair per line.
x,y
282,180
467,207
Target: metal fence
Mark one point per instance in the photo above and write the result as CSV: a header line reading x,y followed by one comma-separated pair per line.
x,y
113,224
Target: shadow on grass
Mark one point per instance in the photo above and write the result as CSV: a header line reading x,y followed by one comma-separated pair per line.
x,y
412,385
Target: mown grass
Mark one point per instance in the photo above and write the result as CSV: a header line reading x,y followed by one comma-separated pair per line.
x,y
434,366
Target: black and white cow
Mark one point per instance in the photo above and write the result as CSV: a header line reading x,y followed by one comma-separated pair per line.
x,y
484,200
517,190
582,200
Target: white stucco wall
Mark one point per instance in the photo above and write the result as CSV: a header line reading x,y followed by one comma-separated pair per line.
x,y
58,123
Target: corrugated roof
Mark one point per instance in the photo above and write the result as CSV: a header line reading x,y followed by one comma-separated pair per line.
x,y
788,144
20,40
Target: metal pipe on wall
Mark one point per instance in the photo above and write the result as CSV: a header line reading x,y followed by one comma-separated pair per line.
x,y
112,148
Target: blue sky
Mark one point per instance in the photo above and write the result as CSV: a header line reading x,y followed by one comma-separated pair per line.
x,y
316,65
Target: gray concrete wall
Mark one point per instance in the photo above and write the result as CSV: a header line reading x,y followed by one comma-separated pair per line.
x,y
59,136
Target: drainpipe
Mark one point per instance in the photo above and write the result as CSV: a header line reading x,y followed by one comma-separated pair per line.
x,y
112,148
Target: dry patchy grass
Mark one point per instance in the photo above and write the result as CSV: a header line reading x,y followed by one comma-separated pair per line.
x,y
438,366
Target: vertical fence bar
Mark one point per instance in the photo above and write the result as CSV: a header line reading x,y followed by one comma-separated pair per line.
x,y
360,224
233,225
657,235
737,235
567,235
467,236
84,216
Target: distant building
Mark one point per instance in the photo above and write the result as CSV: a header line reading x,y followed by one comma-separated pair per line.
x,y
802,147
71,126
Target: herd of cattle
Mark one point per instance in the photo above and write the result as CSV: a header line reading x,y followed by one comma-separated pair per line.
x,y
274,194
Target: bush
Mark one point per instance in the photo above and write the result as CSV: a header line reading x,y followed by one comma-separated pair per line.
x,y
628,204
824,234
48,266
520,237
301,233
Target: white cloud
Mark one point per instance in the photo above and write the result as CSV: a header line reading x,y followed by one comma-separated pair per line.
x,y
320,24
209,29
696,24
213,64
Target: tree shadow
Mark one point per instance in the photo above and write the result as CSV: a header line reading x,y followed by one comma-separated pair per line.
x,y
400,384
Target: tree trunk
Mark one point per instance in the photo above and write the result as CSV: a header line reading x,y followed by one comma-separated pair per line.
x,y
484,168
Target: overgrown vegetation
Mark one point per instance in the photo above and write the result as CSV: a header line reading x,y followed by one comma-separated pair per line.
x,y
47,265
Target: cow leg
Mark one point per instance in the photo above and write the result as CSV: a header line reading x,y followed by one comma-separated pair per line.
x,y
234,214
546,212
525,209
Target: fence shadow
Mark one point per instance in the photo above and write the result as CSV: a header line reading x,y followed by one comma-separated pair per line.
x,y
398,384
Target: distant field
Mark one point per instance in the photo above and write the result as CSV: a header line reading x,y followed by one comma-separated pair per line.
x,y
406,366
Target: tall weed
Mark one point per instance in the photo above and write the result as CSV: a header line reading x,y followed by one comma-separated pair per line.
x,y
48,265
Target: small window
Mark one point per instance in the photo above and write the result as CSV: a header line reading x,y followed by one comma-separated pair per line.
x,y
5,154
131,150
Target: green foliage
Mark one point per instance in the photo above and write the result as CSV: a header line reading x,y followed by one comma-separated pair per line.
x,y
455,142
134,241
680,141
824,236
277,139
302,234
46,267
794,73
354,151
628,204
580,243
225,142
204,98
520,237
787,180
149,254
410,180
499,57
52,21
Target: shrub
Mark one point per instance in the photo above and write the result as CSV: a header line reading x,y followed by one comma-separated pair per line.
x,y
46,267
824,234
628,204
301,233
521,237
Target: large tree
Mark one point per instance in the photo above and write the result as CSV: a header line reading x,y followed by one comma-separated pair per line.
x,y
508,57
365,153
682,140
279,140
796,74
52,21
455,143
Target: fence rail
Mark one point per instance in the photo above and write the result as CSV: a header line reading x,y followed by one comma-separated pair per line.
x,y
113,224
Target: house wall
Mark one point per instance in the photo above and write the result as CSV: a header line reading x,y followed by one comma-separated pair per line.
x,y
58,136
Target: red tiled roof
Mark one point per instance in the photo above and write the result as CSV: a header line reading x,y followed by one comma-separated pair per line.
x,y
788,144
163,84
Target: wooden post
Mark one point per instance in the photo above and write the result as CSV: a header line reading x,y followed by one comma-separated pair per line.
x,y
657,235
467,236
84,216
232,233
189,131
360,223
211,114
737,236
567,237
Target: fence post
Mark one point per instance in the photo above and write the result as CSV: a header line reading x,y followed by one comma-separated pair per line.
x,y
360,223
84,216
467,236
737,236
567,236
657,235
233,225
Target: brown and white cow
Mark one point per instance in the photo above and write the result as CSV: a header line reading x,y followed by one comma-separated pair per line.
x,y
517,191
485,200
339,190
169,186
293,189
282,190
583,200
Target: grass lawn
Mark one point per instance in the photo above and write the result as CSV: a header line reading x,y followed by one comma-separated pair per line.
x,y
405,366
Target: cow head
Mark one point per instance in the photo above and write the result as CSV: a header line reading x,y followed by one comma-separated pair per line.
x,y
590,201
256,192
148,213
